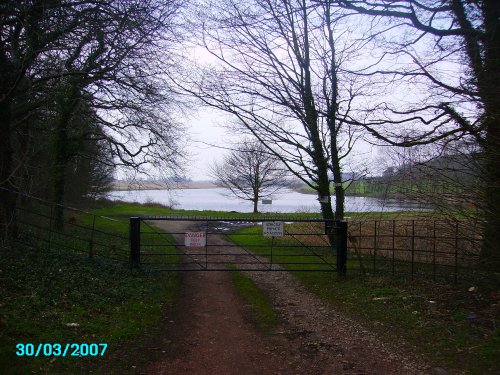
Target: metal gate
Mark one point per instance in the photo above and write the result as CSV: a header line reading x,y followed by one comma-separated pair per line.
x,y
225,244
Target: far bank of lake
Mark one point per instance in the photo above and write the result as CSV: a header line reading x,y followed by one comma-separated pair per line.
x,y
219,199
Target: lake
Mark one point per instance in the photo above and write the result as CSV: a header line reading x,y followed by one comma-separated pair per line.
x,y
218,199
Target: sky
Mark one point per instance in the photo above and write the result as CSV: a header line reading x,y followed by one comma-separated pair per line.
x,y
205,129
209,140
205,132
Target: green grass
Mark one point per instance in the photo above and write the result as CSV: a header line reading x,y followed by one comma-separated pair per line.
x,y
262,312
44,290
129,209
429,316
388,187
285,250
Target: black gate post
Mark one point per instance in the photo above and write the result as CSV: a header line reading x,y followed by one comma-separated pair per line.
x,y
135,241
341,246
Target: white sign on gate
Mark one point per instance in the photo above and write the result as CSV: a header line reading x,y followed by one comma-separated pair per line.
x,y
272,229
195,239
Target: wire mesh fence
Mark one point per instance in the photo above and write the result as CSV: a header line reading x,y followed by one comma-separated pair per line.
x,y
434,249
79,231
437,249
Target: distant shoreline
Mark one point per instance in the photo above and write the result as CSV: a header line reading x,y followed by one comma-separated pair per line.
x,y
147,185
118,185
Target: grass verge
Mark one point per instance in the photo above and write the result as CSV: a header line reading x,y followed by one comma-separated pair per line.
x,y
262,312
127,209
451,326
43,291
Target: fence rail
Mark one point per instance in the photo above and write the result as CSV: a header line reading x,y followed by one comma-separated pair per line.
x,y
79,232
441,249
217,252
434,249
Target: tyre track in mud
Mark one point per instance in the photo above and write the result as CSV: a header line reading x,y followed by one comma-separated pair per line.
x,y
212,332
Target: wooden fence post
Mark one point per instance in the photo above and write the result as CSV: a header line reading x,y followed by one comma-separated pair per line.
x,y
135,241
412,248
455,278
375,248
341,247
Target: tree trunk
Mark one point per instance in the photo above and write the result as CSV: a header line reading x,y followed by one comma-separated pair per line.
x,y
255,205
59,172
491,236
62,153
8,227
490,249
331,120
326,204
339,201
256,189
337,180
311,120
489,83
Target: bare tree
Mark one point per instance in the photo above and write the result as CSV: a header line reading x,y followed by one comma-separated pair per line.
x,y
279,74
251,173
450,49
111,55
97,64
448,180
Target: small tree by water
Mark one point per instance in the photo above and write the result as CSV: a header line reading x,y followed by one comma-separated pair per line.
x,y
250,173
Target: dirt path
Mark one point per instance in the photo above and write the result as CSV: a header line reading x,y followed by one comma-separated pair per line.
x,y
213,334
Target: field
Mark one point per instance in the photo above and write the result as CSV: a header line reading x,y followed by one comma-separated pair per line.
x,y
61,295
454,326
83,277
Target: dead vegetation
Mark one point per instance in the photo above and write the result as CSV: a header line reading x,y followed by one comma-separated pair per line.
x,y
427,242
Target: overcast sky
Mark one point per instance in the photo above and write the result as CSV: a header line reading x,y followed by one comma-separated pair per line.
x,y
205,129
209,140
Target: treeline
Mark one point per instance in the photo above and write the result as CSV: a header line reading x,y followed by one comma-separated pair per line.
x,y
452,175
62,162
309,79
306,79
82,92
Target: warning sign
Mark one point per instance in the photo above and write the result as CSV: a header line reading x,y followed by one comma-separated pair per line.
x,y
195,239
272,229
